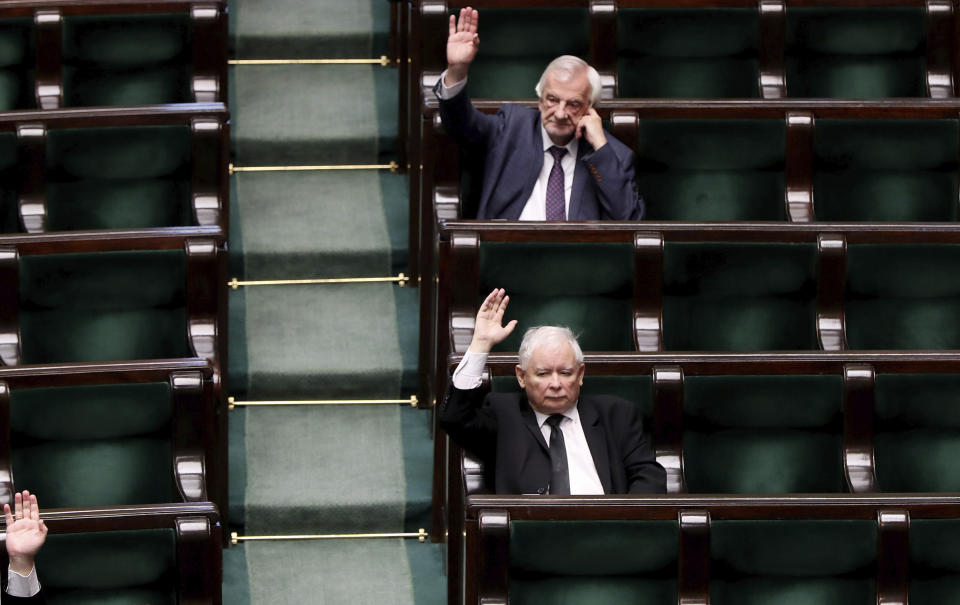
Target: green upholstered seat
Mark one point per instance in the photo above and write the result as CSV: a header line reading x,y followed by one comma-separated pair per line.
x,y
793,562
129,567
934,561
16,64
712,170
519,43
886,170
103,306
917,432
593,562
763,434
586,287
692,53
126,59
856,52
93,445
903,296
118,178
739,297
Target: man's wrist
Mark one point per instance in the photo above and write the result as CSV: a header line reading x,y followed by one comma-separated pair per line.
x,y
455,74
483,347
22,564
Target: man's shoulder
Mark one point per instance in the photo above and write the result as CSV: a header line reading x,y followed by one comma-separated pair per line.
x,y
606,404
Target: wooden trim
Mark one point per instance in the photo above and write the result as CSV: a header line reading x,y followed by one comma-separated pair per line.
x,y
92,373
941,48
603,44
893,557
31,166
773,24
859,382
648,292
141,115
831,321
48,32
668,424
494,566
693,575
203,288
463,280
199,560
798,171
7,486
20,8
208,22
209,186
9,306
193,428
625,126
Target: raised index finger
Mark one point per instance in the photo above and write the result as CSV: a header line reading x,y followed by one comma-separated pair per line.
x,y
453,24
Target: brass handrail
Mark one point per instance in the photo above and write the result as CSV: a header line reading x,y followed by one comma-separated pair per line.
x,y
233,403
392,167
383,61
400,279
420,535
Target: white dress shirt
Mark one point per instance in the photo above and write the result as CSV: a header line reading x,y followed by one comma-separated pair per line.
x,y
584,479
22,586
536,207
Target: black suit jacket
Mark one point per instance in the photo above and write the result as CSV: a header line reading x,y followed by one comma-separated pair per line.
x,y
502,430
512,145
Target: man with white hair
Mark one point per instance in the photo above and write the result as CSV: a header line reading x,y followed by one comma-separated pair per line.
x,y
554,163
549,439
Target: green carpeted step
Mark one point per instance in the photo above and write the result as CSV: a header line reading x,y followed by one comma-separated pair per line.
x,y
308,29
312,224
306,114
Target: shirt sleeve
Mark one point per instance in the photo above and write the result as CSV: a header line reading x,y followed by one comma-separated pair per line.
x,y
469,374
445,92
22,586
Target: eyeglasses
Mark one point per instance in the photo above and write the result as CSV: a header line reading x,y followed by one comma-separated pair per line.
x,y
573,106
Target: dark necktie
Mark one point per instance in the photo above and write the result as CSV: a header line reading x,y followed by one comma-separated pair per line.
x,y
559,475
556,207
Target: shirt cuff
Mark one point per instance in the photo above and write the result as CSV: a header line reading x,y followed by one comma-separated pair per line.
x,y
444,92
469,374
22,586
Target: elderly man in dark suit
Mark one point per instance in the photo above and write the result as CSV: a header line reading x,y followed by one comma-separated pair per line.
x,y
25,534
551,438
555,163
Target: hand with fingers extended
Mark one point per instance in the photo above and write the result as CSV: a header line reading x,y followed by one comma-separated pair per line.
x,y
489,329
26,532
462,45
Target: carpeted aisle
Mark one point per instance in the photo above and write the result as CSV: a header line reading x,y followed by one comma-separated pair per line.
x,y
342,469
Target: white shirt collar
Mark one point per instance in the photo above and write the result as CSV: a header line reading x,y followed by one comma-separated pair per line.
x,y
572,414
572,147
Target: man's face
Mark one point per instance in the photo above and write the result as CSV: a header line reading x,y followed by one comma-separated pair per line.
x,y
552,379
562,104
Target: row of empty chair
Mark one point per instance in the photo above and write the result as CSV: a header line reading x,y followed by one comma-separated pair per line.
x,y
111,52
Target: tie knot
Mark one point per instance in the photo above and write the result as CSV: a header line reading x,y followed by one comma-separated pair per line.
x,y
558,152
554,420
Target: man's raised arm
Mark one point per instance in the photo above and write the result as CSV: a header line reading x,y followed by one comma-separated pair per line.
x,y
462,45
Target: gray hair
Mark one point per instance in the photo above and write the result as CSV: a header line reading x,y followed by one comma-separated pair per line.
x,y
540,336
570,66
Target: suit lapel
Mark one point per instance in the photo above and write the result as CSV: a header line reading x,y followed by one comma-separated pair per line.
x,y
530,421
536,165
596,441
580,177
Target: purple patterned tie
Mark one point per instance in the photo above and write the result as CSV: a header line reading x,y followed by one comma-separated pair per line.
x,y
556,207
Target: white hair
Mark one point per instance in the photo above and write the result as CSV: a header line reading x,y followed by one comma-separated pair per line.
x,y
540,336
569,66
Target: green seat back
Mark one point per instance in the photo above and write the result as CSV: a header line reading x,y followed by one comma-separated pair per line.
x,y
712,170
519,43
129,567
739,297
586,287
103,306
903,296
692,53
119,178
126,59
763,434
793,562
93,445
917,432
934,561
16,64
9,180
856,52
886,170
592,562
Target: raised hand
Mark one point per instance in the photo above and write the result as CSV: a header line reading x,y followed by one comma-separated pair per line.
x,y
591,128
489,329
462,45
26,533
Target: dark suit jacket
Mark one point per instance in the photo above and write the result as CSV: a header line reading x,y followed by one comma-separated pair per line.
x,y
5,599
502,430
512,145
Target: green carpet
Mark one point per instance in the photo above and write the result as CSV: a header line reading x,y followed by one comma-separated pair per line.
x,y
344,469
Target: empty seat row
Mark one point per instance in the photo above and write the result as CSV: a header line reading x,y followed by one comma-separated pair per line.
x,y
133,168
108,52
842,550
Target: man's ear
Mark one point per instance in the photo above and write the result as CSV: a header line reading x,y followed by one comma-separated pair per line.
x,y
519,371
580,373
